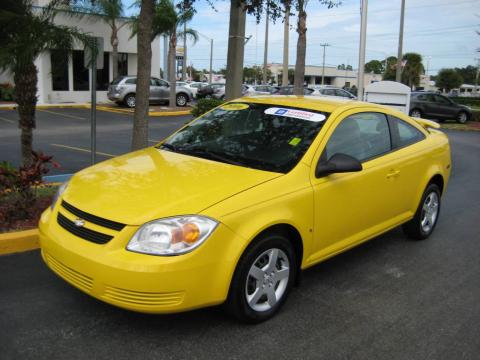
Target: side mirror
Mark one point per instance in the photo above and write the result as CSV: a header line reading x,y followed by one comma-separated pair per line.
x,y
338,163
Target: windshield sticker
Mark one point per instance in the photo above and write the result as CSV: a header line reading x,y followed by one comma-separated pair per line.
x,y
297,114
295,141
234,107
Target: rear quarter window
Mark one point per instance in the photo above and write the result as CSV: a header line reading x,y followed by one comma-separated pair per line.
x,y
404,134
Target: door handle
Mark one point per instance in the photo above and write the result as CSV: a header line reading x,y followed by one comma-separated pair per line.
x,y
393,173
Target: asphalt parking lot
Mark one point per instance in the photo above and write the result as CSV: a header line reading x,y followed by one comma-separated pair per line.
x,y
65,134
387,299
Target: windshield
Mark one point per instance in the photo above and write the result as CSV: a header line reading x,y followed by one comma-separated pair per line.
x,y
265,137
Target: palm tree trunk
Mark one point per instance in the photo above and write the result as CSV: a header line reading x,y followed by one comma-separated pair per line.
x,y
172,73
301,49
25,78
144,65
114,43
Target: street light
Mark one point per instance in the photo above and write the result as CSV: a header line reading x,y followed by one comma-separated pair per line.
x,y
323,66
211,54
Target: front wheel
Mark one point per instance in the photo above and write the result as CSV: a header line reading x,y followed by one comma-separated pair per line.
x,y
262,280
426,216
130,100
416,113
462,117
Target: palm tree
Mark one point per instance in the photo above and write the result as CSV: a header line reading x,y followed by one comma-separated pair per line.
x,y
110,11
301,6
27,31
412,70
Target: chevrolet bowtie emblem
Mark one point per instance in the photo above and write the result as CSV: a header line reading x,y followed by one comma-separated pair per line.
x,y
79,222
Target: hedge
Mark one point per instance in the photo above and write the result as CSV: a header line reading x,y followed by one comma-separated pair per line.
x,y
466,101
204,105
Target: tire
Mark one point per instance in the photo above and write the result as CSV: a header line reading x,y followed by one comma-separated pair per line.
x,y
255,273
182,99
130,100
462,117
416,113
426,216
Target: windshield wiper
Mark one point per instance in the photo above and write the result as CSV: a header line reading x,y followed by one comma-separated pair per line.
x,y
208,154
169,147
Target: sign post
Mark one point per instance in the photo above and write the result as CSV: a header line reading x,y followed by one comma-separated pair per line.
x,y
94,61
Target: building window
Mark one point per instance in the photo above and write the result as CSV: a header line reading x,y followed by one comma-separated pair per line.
x,y
103,74
122,64
80,72
59,61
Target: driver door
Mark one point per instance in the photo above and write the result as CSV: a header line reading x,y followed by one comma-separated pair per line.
x,y
352,207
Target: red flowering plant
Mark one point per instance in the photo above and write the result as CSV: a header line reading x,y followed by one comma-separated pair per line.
x,y
18,187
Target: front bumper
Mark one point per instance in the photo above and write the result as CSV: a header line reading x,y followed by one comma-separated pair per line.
x,y
114,97
139,282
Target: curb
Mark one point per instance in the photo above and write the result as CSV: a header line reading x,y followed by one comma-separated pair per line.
x,y
19,241
103,108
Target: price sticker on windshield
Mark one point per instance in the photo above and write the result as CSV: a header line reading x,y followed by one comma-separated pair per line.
x,y
297,114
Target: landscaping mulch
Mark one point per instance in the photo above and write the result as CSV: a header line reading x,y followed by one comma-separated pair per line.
x,y
469,126
34,213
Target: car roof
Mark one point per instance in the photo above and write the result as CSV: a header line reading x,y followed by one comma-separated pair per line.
x,y
318,103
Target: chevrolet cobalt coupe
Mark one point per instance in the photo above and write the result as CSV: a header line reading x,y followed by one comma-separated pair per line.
x,y
231,207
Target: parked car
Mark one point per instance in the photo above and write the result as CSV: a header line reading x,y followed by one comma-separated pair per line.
x,y
431,105
123,91
288,90
233,206
328,90
192,86
208,90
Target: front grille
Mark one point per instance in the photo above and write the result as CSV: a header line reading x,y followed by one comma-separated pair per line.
x,y
82,232
147,299
92,218
77,279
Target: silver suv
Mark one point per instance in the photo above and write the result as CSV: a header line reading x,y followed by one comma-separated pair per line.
x,y
123,89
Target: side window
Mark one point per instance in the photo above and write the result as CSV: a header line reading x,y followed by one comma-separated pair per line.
x,y
362,135
404,134
132,81
342,93
441,100
162,83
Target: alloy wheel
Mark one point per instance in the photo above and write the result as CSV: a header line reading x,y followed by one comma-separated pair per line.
x,y
429,212
267,280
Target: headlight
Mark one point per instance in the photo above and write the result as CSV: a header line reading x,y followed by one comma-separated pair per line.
x,y
172,236
59,193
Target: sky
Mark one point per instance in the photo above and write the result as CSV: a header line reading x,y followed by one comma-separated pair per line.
x,y
442,31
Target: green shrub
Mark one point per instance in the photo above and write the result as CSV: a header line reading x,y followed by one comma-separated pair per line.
x,y
204,105
475,115
6,92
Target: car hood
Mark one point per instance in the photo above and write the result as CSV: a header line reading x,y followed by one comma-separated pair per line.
x,y
149,184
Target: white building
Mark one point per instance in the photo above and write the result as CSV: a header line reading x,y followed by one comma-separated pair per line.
x,y
63,78
333,76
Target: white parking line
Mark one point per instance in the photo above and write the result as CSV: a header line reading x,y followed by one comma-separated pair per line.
x,y
7,120
82,150
61,114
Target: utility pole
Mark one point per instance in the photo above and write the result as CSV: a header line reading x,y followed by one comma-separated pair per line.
x,y
323,66
211,61
236,47
477,75
265,53
398,76
286,34
361,57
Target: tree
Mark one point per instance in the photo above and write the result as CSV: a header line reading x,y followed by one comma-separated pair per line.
x,y
374,66
110,11
468,73
412,70
448,79
301,6
28,31
390,68
144,64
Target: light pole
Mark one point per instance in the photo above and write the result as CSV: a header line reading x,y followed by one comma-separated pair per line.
x,y
265,52
286,28
361,57
398,75
323,66
211,55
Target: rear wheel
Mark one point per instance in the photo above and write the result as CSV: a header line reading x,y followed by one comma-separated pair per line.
x,y
130,100
416,113
462,117
182,99
426,216
262,280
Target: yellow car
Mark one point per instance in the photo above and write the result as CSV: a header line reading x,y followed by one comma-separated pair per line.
x,y
230,208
